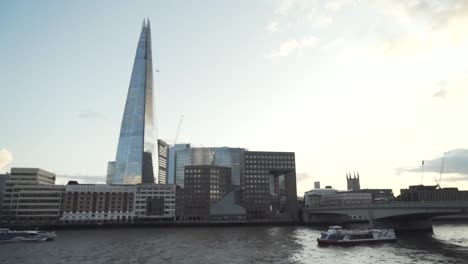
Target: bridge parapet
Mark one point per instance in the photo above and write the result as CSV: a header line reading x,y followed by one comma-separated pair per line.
x,y
396,205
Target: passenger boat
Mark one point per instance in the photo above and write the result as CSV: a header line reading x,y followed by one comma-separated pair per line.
x,y
336,235
7,235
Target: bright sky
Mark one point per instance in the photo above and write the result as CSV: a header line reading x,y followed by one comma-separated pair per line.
x,y
348,85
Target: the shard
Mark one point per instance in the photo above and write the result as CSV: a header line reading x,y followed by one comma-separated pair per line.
x,y
136,159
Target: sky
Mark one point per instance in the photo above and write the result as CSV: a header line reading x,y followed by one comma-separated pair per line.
x,y
374,87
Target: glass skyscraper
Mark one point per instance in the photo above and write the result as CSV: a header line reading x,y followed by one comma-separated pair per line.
x,y
136,159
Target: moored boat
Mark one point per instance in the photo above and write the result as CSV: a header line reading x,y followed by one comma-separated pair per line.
x,y
336,235
7,235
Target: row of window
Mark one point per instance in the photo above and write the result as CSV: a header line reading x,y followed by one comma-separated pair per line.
x,y
271,167
269,157
271,161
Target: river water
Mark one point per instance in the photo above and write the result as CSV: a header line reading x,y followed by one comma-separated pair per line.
x,y
285,244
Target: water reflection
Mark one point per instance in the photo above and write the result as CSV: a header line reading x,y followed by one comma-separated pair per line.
x,y
288,244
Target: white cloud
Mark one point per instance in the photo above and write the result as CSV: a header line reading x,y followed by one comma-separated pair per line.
x,y
425,25
272,27
290,46
6,157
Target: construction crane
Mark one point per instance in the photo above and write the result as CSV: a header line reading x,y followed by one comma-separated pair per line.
x,y
441,171
178,129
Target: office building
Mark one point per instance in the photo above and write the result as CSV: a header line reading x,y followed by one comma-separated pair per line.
x,y
219,156
204,186
110,172
30,197
163,152
171,170
3,179
269,186
136,160
155,202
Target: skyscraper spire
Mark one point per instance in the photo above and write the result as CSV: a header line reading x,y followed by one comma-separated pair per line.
x,y
136,159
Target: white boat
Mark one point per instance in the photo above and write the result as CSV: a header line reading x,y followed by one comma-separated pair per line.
x,y
7,235
336,235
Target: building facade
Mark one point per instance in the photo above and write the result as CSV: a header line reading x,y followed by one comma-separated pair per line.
x,y
432,193
155,202
204,186
30,197
98,203
163,152
268,186
110,172
3,179
137,156
171,170
220,156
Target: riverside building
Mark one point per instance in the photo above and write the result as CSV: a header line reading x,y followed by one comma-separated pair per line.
x,y
155,202
268,186
204,186
30,197
98,203
263,185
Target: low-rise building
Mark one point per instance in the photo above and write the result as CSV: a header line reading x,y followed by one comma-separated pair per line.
x,y
432,193
98,203
30,197
155,202
312,197
346,198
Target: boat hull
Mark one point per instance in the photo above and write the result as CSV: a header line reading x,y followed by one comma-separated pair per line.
x,y
326,242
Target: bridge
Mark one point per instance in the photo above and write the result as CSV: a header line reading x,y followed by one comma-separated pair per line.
x,y
400,215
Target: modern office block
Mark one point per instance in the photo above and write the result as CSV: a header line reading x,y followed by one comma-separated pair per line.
x,y
136,160
163,152
219,156
155,202
110,172
204,186
269,186
171,170
30,197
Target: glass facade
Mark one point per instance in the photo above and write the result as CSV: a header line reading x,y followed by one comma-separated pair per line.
x,y
171,170
136,159
223,157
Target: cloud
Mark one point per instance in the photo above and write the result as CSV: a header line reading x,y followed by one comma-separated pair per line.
x,y
455,178
6,157
302,176
453,90
63,179
272,27
442,92
455,162
290,46
425,25
90,115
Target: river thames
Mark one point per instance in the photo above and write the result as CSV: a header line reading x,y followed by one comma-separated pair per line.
x,y
255,244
